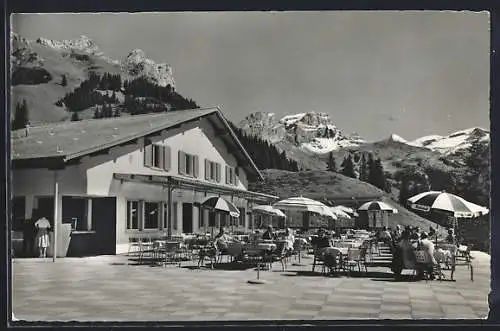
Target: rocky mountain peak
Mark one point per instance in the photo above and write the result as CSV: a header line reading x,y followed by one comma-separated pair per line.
x,y
136,64
82,44
312,132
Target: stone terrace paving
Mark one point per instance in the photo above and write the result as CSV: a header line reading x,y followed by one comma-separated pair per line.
x,y
105,288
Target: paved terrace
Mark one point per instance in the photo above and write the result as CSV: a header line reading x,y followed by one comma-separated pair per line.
x,y
107,289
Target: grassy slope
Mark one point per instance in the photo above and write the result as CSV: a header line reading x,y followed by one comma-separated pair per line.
x,y
41,98
321,184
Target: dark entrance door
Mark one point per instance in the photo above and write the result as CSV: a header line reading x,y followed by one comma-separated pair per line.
x,y
104,224
46,209
187,217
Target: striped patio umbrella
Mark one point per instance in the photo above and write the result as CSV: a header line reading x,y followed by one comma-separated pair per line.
x,y
442,201
221,204
378,205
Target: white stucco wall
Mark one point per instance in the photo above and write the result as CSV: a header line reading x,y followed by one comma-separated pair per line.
x,y
94,175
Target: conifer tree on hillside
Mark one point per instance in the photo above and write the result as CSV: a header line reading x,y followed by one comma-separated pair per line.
x,y
379,176
331,165
64,82
347,167
20,116
363,173
370,169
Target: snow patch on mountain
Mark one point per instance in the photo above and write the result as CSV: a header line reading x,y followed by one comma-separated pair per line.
x,y
454,142
397,138
311,132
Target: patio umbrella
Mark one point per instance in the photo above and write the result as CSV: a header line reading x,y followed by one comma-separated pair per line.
x,y
442,201
221,204
305,205
340,212
268,210
378,205
347,210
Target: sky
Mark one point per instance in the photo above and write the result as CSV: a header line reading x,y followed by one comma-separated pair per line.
x,y
412,73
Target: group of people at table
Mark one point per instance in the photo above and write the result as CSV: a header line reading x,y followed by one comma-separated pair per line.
x,y
419,250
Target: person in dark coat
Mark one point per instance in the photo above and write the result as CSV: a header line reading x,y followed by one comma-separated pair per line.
x,y
29,234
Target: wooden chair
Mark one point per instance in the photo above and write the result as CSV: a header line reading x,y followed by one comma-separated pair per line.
x,y
134,246
279,255
332,261
354,258
146,249
318,257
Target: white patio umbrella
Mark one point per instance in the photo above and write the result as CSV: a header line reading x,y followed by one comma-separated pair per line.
x,y
347,210
305,205
268,210
442,201
377,205
340,212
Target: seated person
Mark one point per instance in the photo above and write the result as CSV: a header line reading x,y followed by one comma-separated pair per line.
x,y
322,240
222,239
385,235
415,233
427,247
269,234
451,239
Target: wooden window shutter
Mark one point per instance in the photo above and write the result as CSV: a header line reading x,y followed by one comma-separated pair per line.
x,y
233,176
166,157
148,155
182,163
207,169
196,165
227,175
161,156
217,172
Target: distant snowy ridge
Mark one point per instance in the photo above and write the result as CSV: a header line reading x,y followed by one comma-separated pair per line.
x,y
454,142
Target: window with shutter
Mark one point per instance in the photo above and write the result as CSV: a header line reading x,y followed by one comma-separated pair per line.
x,y
158,157
182,163
166,158
218,172
148,155
207,169
196,165
227,175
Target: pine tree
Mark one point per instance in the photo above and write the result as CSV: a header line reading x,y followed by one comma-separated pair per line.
x,y
370,169
63,81
363,175
21,116
379,176
348,167
75,117
331,166
404,192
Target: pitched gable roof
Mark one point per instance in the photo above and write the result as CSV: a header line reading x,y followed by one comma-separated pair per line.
x,y
69,140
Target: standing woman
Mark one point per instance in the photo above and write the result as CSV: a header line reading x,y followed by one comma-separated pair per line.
x,y
42,236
